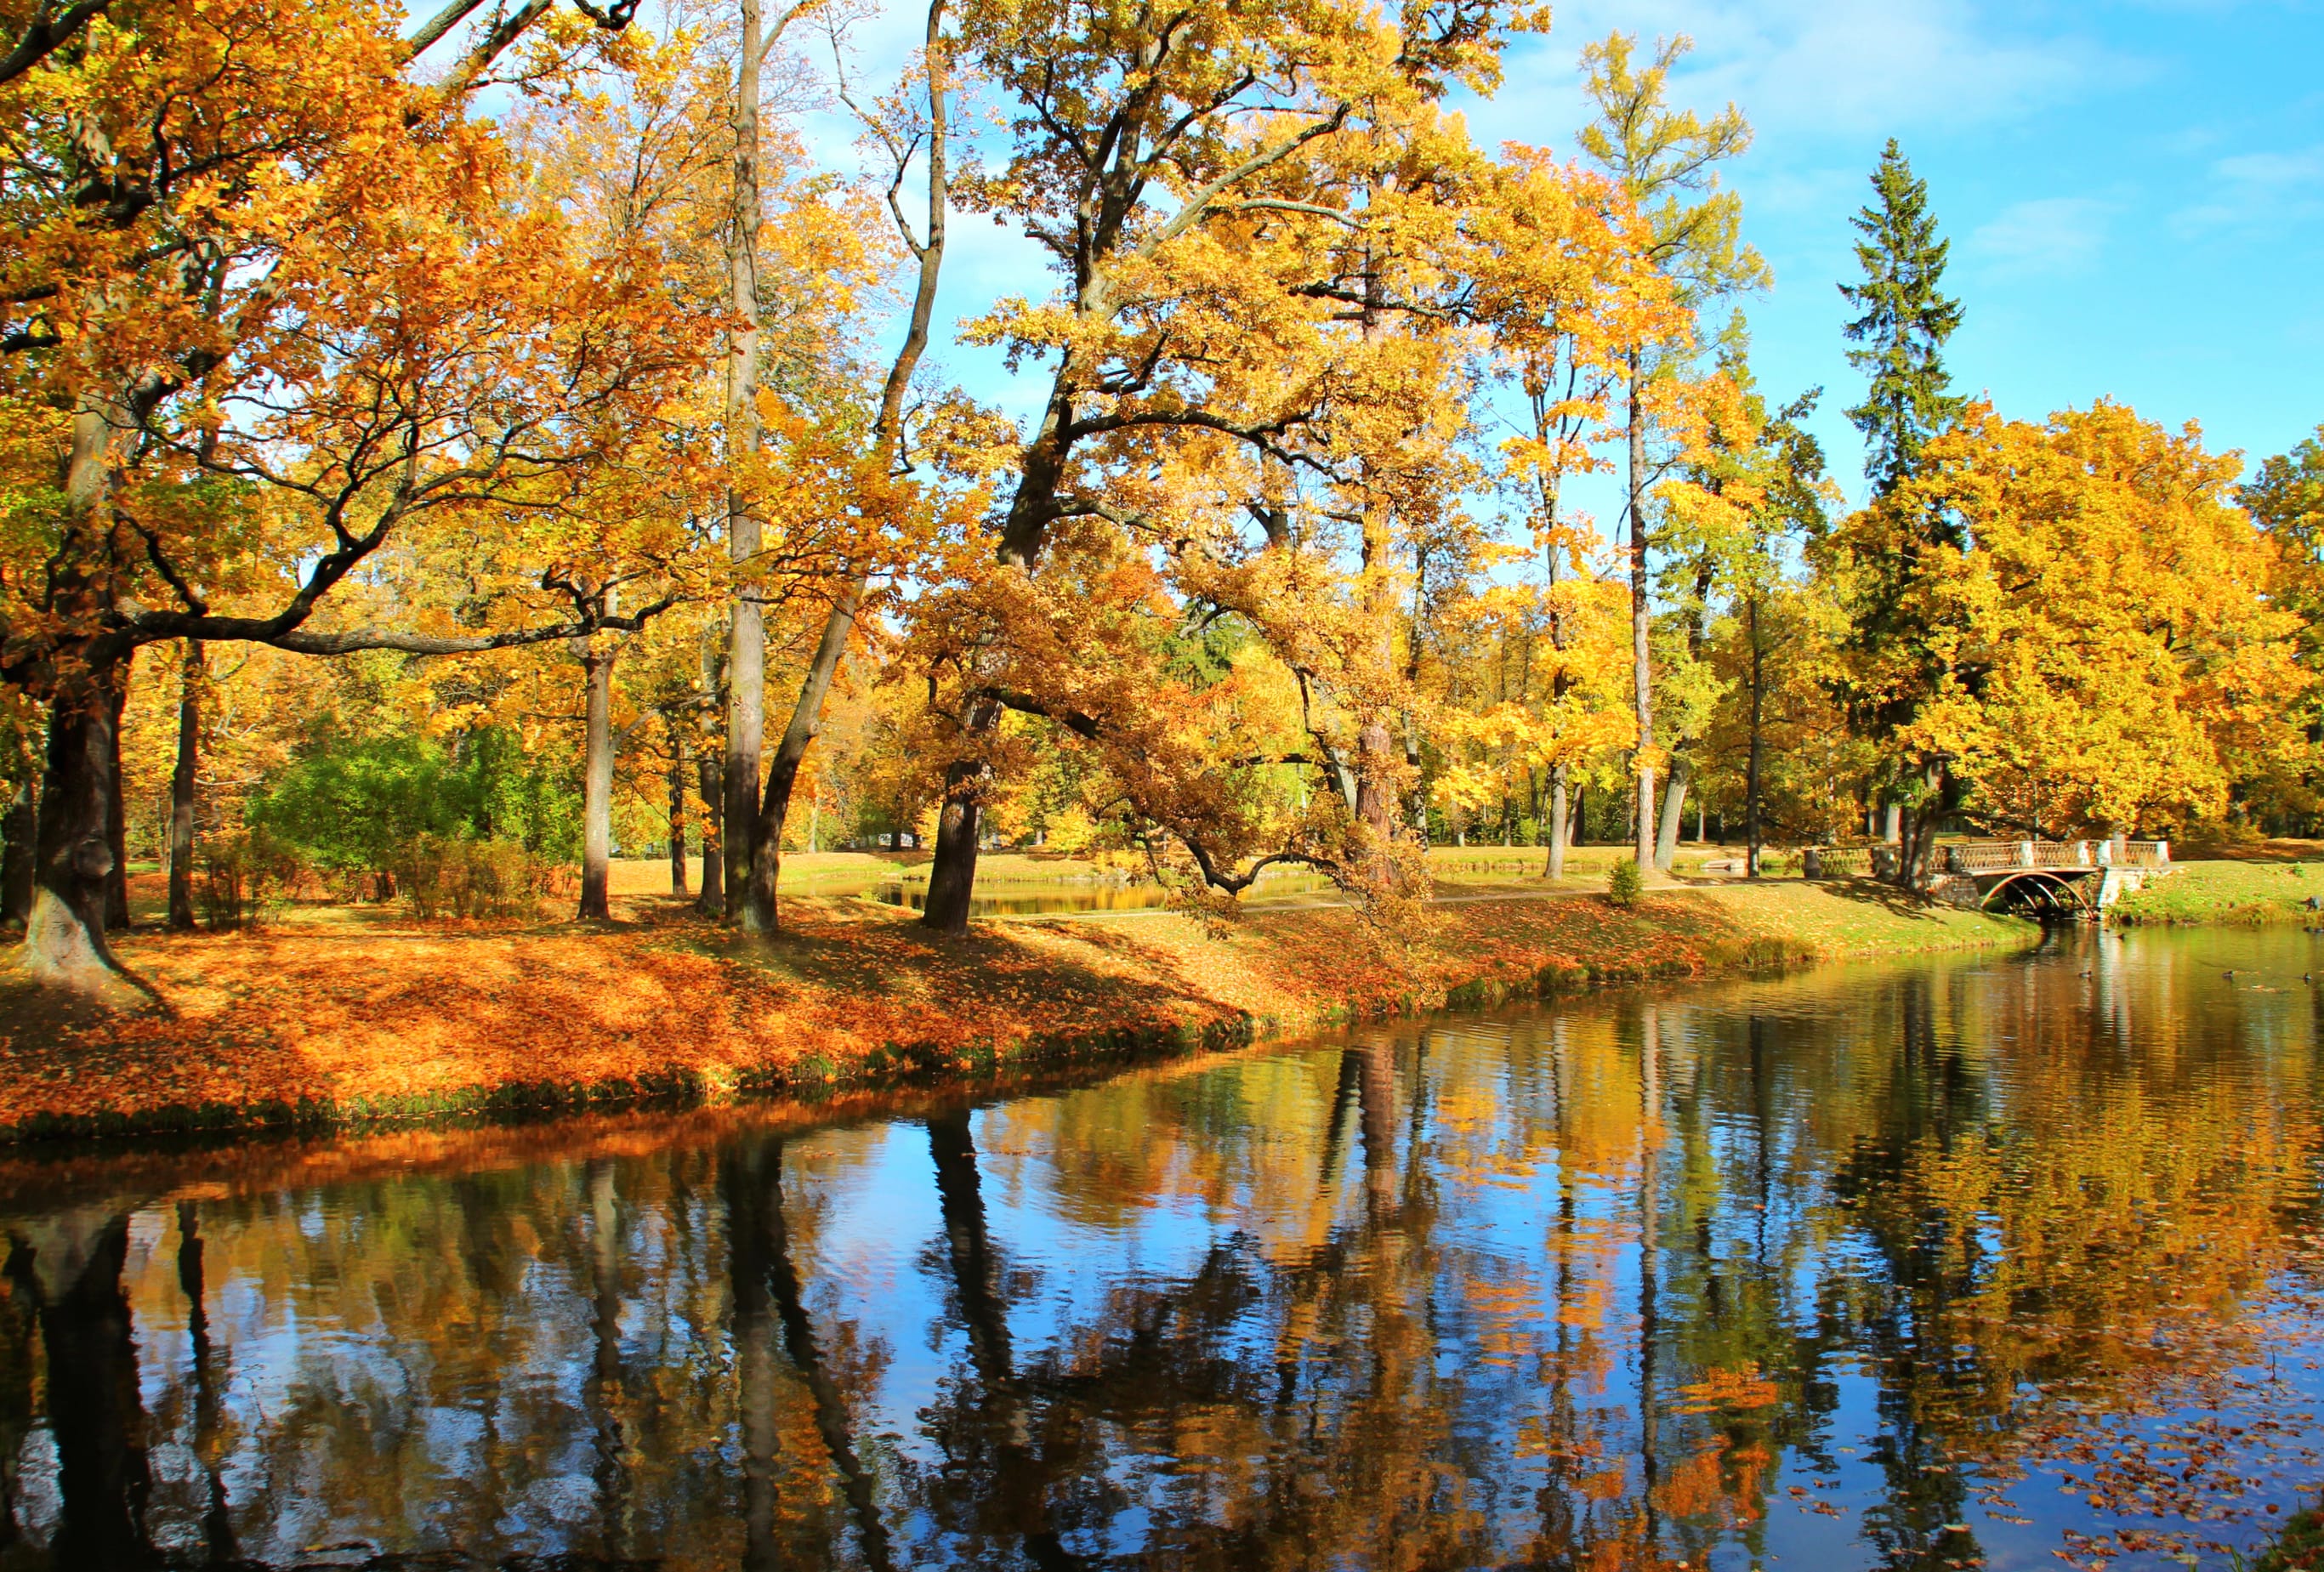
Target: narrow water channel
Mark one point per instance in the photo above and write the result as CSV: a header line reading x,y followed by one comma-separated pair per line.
x,y
1956,1263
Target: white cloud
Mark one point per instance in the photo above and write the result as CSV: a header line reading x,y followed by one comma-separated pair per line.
x,y
1843,68
2257,192
2045,235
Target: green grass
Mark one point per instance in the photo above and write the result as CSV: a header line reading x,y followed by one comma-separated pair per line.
x,y
2222,892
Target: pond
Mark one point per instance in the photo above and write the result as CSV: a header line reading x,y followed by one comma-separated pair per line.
x,y
1959,1264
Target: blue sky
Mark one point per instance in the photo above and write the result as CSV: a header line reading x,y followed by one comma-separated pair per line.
x,y
2135,192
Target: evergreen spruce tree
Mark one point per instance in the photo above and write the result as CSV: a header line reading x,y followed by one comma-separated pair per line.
x,y
1902,324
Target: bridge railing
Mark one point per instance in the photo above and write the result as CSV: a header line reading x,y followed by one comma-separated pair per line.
x,y
2000,856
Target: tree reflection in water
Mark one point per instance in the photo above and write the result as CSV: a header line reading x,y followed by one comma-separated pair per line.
x,y
1852,1269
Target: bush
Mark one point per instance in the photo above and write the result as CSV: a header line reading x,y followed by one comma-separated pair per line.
x,y
244,873
1624,883
440,877
356,807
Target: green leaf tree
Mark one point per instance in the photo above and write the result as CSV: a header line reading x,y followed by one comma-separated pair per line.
x,y
1903,322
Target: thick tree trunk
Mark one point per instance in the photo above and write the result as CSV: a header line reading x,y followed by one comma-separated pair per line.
x,y
1558,828
677,880
181,790
952,872
746,642
714,857
1674,792
597,781
64,938
19,824
1642,694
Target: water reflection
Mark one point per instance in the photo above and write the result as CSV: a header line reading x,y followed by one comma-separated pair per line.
x,y
1950,1266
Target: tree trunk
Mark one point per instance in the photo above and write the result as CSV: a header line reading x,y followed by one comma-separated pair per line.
x,y
64,938
1752,767
1892,824
1580,814
1641,694
713,859
18,826
952,872
1557,823
887,446
181,791
116,817
1681,776
597,781
676,822
746,641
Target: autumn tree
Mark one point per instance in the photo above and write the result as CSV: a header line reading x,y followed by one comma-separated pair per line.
x,y
1159,159
375,336
2098,649
2286,500
1666,161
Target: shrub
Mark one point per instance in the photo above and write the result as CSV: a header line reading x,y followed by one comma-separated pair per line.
x,y
1624,883
244,873
357,807
441,877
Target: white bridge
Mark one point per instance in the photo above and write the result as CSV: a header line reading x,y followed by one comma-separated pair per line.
x,y
2043,876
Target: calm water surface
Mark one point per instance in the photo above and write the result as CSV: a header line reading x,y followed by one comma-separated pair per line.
x,y
1953,1265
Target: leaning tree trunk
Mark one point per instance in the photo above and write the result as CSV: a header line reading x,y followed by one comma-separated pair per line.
x,y
598,782
64,939
887,447
952,872
1675,791
181,791
19,824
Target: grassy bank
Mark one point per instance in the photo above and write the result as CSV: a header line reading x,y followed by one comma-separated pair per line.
x,y
2223,891
344,1014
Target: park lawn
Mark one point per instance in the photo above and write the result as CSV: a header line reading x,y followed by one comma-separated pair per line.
x,y
352,1013
2224,891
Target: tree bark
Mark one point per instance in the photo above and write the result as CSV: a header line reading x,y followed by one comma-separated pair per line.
x,y
746,641
18,825
1559,828
677,880
1674,790
1641,694
1891,829
597,780
64,937
952,872
714,859
181,790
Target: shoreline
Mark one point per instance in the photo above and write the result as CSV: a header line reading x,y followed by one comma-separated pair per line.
x,y
301,1030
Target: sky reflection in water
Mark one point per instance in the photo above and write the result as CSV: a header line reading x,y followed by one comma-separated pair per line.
x,y
1949,1264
